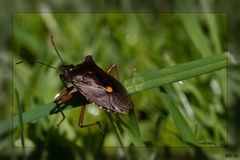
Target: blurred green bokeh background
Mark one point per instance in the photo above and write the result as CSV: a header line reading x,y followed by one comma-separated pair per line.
x,y
145,41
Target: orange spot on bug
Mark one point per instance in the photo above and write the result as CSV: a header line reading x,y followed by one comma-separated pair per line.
x,y
109,89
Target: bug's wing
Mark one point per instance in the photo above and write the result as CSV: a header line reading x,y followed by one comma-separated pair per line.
x,y
99,96
121,103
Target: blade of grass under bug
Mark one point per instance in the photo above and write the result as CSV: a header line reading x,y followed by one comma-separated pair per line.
x,y
176,73
143,82
175,69
34,114
42,111
181,124
20,118
45,110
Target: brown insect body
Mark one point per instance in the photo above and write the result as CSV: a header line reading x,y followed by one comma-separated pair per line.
x,y
97,85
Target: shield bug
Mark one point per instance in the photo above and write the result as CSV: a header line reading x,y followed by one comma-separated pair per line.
x,y
95,84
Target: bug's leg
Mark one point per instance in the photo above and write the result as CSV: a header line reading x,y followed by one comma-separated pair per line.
x,y
110,69
64,96
61,77
63,116
87,125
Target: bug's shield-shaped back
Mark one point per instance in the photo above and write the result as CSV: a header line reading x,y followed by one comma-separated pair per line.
x,y
92,81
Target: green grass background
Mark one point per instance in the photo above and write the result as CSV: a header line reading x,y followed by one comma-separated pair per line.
x,y
149,42
143,41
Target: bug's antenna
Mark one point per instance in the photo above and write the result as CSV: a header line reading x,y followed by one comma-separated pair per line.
x,y
47,65
39,63
56,49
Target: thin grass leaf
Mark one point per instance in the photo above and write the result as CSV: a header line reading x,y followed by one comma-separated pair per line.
x,y
20,118
134,123
196,34
116,129
213,26
130,131
214,32
181,124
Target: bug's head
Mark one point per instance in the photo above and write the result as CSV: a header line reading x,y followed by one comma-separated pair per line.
x,y
65,69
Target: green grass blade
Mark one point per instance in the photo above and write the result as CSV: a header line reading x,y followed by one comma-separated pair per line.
x,y
44,110
116,129
213,26
34,114
131,128
135,137
181,124
139,83
176,73
196,34
214,32
134,124
20,118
